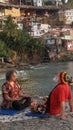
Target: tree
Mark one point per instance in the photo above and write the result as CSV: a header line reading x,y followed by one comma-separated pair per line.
x,y
4,51
26,44
10,28
19,41
2,48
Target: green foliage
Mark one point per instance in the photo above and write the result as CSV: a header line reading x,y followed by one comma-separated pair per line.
x,y
17,40
2,49
10,28
2,46
0,25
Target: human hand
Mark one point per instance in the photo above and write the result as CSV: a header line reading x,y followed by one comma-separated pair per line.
x,y
16,99
27,95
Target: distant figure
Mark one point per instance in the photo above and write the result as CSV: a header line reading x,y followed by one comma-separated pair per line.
x,y
59,96
13,98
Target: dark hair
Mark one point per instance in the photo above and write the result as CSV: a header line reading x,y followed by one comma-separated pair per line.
x,y
9,73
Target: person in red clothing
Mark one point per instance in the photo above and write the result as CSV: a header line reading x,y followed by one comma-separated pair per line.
x,y
59,96
54,104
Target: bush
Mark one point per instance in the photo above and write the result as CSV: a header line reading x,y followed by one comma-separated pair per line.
x,y
5,51
19,41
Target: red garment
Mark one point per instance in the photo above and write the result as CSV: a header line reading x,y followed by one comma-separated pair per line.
x,y
12,91
60,93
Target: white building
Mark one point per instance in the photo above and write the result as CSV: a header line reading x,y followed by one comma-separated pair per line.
x,y
39,29
68,16
38,2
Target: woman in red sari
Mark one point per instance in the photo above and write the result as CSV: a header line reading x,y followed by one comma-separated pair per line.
x,y
13,98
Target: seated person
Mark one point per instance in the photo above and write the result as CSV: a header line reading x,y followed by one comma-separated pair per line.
x,y
55,102
13,98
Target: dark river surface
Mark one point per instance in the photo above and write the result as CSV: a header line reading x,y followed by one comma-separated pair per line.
x,y
41,77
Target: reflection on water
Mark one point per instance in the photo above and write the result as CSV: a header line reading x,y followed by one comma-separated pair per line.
x,y
41,77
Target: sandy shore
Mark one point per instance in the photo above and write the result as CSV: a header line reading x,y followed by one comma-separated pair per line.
x,y
40,124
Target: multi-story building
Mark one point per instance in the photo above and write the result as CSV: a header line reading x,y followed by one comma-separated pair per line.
x,y
61,16
68,16
54,2
26,14
57,2
38,29
13,12
38,2
27,2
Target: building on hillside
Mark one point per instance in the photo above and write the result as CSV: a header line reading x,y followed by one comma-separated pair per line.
x,y
38,29
61,16
68,16
57,2
66,35
53,2
27,2
21,2
14,12
25,13
38,2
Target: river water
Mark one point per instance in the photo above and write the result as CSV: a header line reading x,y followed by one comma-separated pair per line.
x,y
41,77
